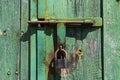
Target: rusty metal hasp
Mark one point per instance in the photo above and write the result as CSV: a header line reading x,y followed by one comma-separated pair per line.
x,y
92,21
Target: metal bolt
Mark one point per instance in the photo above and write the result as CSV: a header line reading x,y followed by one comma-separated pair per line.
x,y
8,73
16,72
5,33
39,25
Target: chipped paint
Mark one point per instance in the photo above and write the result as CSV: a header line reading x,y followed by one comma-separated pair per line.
x,y
111,41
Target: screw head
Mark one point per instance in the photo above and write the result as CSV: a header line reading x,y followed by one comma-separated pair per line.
x,y
8,73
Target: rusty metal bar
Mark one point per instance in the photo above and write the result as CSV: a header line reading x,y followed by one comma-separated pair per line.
x,y
62,21
96,21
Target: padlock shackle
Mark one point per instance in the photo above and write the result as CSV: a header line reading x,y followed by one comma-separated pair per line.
x,y
58,51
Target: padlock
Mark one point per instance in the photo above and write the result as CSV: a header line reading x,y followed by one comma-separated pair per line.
x,y
61,58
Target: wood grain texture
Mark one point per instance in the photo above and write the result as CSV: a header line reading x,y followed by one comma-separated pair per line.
x,y
49,52
41,67
25,33
85,38
68,8
33,57
111,40
88,40
33,31
9,39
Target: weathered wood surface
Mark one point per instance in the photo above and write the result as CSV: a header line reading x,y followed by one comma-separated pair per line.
x,y
42,42
87,39
111,39
68,8
33,38
9,39
25,36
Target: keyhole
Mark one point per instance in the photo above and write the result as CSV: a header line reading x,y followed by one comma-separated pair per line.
x,y
61,54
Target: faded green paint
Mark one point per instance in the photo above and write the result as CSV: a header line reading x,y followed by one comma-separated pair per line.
x,y
41,54
41,8
87,39
33,54
24,71
49,49
68,8
33,65
9,39
61,33
111,39
44,41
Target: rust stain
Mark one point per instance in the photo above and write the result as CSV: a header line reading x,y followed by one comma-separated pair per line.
x,y
46,63
50,65
51,55
73,59
49,60
79,54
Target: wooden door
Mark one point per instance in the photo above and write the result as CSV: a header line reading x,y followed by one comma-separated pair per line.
x,y
46,38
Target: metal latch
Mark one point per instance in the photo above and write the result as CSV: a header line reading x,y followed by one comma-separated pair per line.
x,y
91,21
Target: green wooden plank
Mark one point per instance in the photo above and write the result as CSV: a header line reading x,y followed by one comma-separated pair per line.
x,y
33,10
50,9
91,44
24,41
73,43
49,52
111,39
42,8
75,8
68,8
92,8
61,33
60,9
33,16
33,55
88,40
41,67
9,39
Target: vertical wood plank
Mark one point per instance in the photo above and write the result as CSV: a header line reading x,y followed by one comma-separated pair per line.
x,y
25,33
33,10
9,39
61,33
73,43
60,9
68,8
89,41
92,8
41,68
42,8
33,55
49,9
111,29
33,16
91,45
49,52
